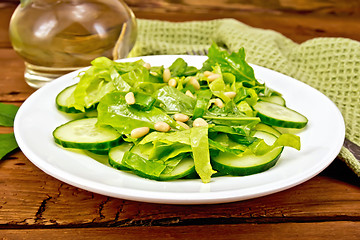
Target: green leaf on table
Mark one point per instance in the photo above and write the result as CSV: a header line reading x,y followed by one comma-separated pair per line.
x,y
7,114
7,144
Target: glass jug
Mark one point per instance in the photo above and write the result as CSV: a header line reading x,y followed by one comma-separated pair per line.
x,y
55,37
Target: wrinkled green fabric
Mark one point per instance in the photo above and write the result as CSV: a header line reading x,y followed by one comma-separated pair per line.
x,y
331,65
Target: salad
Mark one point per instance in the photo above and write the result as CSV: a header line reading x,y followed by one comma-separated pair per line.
x,y
167,123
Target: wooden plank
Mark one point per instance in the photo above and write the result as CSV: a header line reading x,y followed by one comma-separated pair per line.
x,y
300,231
299,20
12,84
297,27
319,7
32,199
6,10
40,200
350,7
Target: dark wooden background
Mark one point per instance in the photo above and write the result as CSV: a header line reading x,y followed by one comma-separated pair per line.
x,y
34,205
299,20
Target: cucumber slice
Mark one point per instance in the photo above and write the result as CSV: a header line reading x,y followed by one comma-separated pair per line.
x,y
116,155
280,116
249,164
274,99
185,167
91,113
84,134
99,152
266,128
61,100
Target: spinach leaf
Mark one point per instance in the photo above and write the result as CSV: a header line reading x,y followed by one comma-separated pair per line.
x,y
7,144
202,103
143,166
232,120
173,100
167,145
7,114
234,63
114,111
162,151
220,146
168,137
245,108
242,130
247,94
178,67
156,74
149,87
172,163
138,75
105,76
201,154
230,109
218,86
259,147
223,143
143,101
190,71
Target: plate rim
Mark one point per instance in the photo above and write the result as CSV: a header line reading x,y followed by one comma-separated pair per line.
x,y
163,197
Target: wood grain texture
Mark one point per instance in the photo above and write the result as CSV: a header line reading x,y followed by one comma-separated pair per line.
x,y
34,205
12,83
299,20
320,7
302,231
6,10
30,198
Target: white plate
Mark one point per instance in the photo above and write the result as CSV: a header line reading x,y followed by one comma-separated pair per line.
x,y
321,142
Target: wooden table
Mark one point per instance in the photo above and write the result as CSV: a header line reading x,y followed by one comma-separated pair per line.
x,y
34,205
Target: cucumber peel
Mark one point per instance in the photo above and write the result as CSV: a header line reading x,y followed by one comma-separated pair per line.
x,y
85,134
280,116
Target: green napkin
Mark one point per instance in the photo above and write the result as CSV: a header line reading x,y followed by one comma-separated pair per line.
x,y
332,65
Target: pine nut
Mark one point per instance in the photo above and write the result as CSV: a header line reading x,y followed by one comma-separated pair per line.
x,y
230,94
219,103
181,117
189,94
213,77
166,75
155,74
208,73
172,82
139,132
184,125
147,66
195,83
130,98
162,127
199,122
